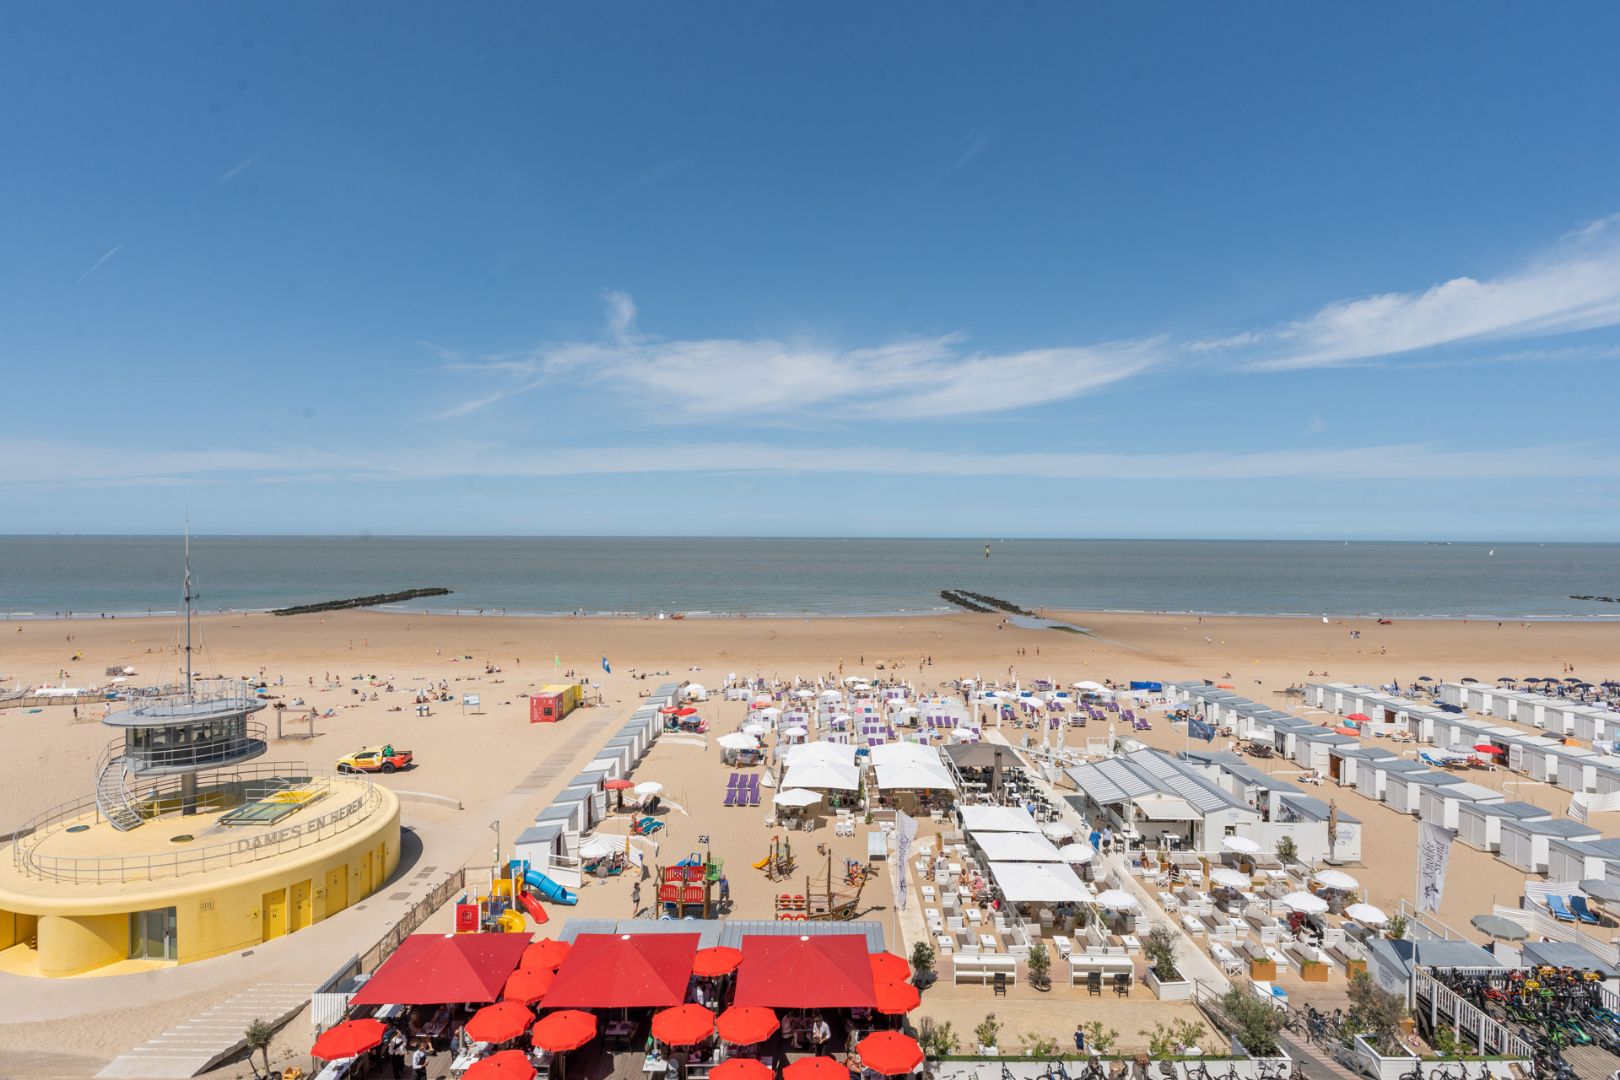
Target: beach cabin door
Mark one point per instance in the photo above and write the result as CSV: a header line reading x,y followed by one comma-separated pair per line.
x,y
301,915
273,913
337,889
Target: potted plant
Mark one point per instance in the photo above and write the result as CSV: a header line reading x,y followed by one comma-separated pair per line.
x,y
1040,966
1163,977
936,1039
987,1032
1287,850
922,964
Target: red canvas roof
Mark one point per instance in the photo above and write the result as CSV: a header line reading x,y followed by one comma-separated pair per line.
x,y
807,972
444,969
618,971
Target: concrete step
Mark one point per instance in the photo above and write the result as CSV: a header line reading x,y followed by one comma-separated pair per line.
x,y
197,1045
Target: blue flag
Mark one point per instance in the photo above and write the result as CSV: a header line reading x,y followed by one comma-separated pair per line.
x,y
605,666
1198,729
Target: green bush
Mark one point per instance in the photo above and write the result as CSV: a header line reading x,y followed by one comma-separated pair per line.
x,y
1255,1023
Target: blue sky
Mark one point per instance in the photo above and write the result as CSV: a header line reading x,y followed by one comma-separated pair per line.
x,y
1209,271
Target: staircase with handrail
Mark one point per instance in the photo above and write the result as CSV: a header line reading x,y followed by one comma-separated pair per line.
x,y
113,797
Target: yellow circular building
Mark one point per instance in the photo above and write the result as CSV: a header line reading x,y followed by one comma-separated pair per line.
x,y
189,846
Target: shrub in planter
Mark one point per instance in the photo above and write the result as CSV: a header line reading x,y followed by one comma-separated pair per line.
x,y
922,964
936,1040
1164,978
1040,966
987,1031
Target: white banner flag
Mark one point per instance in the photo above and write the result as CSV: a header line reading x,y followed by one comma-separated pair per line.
x,y
905,831
1577,807
1434,850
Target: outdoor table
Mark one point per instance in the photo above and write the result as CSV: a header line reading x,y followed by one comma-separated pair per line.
x,y
989,942
947,942
1131,943
336,1069
436,1027
1062,945
465,1060
651,1064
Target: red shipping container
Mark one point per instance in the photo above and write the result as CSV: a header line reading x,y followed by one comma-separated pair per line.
x,y
545,708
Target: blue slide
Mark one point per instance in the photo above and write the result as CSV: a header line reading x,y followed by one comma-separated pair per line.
x,y
547,888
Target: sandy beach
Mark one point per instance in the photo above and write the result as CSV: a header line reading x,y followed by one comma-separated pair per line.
x,y
480,758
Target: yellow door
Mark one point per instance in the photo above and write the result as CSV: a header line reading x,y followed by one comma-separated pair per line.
x,y
337,889
363,873
379,865
273,913
300,906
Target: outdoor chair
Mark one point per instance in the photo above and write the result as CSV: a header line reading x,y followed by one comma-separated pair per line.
x,y
1577,904
1094,983
731,796
1122,985
1000,984
1555,904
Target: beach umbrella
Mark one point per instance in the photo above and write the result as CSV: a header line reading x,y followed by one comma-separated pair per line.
x,y
1601,889
1366,913
1488,748
1241,844
889,1053
1116,899
670,710
686,710
1077,852
1466,679
544,955
505,1065
1506,678
1304,902
803,694
745,1025
1425,678
795,797
755,729
348,1039
738,740
499,1022
617,785
1056,830
1336,879
1497,927
896,998
648,787
682,1025
815,1068
562,1031
597,845
1360,718
887,967
716,960
1227,878
528,986
741,1068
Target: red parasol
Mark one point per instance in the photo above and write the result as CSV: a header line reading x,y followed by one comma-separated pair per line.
x,y
499,1022
567,1029
682,1025
505,1065
528,986
740,1068
746,1025
544,955
687,711
1360,718
889,1053
896,998
815,1068
618,785
720,960
887,967
670,710
1488,748
348,1039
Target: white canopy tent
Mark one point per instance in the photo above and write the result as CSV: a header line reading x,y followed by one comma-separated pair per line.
x,y
998,819
1038,883
904,753
820,752
822,776
1017,847
795,797
914,776
738,740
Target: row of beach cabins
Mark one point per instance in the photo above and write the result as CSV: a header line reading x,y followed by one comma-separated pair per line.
x,y
1535,839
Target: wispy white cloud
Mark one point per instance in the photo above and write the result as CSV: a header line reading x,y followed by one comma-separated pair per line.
x,y
99,263
712,377
977,144
649,178
1573,286
48,464
238,169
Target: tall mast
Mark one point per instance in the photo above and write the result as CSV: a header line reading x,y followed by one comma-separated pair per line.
x,y
188,610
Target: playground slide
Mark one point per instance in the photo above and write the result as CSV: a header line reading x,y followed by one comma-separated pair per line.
x,y
549,889
512,922
532,906
762,863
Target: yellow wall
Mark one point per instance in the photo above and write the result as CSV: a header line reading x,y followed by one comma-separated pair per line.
x,y
220,914
71,944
